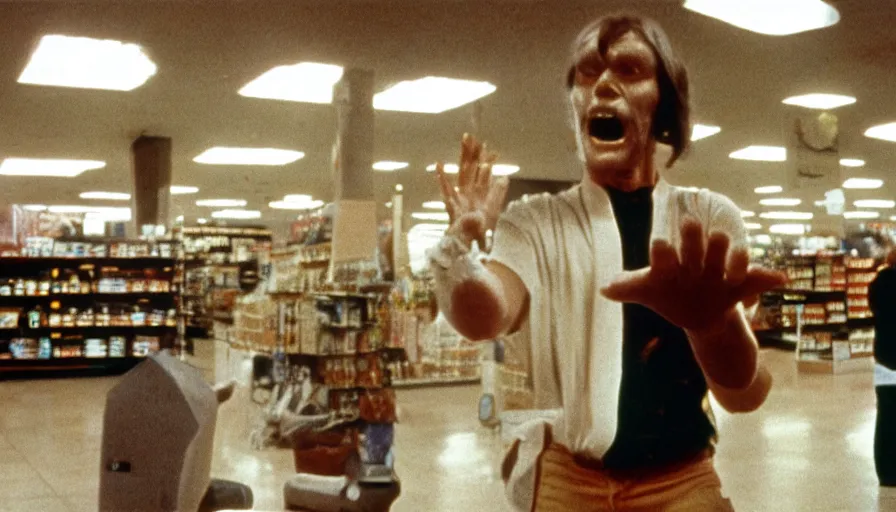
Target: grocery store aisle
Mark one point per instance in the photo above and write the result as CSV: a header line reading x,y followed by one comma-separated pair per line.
x,y
808,449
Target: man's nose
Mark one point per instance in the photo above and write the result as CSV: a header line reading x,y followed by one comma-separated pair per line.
x,y
606,87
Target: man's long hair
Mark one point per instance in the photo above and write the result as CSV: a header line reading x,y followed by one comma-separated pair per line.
x,y
672,119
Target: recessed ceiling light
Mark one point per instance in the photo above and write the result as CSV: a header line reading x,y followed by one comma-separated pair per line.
x,y
504,169
770,17
179,218
248,156
440,216
47,167
771,189
753,225
86,63
820,101
747,213
434,205
307,82
296,205
861,215
388,165
761,154
449,168
431,95
202,220
702,131
110,196
389,204
35,207
893,218
875,203
179,190
111,213
786,215
780,201
788,229
852,162
236,214
221,203
863,183
883,132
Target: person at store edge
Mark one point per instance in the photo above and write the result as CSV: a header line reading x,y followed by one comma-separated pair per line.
x,y
882,300
628,291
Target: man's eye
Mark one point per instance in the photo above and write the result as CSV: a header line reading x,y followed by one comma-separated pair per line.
x,y
627,69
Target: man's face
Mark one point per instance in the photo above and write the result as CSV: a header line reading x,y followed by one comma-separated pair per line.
x,y
614,97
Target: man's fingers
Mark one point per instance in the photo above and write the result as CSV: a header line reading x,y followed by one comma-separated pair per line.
x,y
716,253
758,281
629,287
497,192
663,260
485,168
693,246
466,152
738,264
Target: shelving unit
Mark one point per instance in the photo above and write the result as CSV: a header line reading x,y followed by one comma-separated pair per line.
x,y
84,315
823,315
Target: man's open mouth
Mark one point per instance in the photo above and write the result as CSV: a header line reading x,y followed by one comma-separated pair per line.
x,y
606,127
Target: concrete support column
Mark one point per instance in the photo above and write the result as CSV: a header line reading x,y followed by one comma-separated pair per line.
x,y
152,181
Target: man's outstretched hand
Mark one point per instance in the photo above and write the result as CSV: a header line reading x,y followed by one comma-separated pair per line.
x,y
699,288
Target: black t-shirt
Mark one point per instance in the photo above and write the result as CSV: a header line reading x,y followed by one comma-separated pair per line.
x,y
664,416
882,299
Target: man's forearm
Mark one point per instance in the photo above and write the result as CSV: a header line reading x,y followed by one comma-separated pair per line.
x,y
727,352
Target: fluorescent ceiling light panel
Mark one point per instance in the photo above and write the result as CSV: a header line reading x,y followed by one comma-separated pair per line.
x,y
769,17
431,95
307,82
780,201
434,205
875,203
861,215
753,225
248,156
221,203
295,205
788,229
863,183
179,190
893,218
388,166
747,213
449,168
702,131
786,215
883,132
47,167
35,207
852,162
504,169
202,221
437,216
820,101
108,196
761,154
771,189
110,213
236,214
86,63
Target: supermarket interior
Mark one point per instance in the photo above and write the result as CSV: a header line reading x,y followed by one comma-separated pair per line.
x,y
215,285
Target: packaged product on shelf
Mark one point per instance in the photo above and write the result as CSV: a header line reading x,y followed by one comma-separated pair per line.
x,y
117,346
36,318
145,345
44,348
6,289
85,318
68,317
95,348
23,348
9,318
54,319
138,317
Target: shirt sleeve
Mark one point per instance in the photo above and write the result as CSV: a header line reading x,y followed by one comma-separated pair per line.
x,y
725,217
514,244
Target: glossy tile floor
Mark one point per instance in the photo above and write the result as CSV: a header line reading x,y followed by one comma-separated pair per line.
x,y
808,449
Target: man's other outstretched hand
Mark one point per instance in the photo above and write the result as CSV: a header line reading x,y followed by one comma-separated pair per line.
x,y
697,288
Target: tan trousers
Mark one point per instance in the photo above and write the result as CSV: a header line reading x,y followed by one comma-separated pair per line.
x,y
564,485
